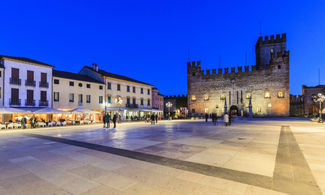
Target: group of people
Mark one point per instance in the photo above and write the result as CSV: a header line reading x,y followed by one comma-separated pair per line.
x,y
107,119
153,119
214,117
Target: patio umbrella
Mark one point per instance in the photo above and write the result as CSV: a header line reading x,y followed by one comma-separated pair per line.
x,y
49,111
5,110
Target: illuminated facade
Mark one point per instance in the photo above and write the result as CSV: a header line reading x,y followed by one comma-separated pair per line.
x,y
266,84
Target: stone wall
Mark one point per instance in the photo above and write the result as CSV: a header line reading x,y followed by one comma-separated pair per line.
x,y
208,91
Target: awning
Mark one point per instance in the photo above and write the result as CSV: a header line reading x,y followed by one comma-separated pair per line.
x,y
48,111
5,110
83,110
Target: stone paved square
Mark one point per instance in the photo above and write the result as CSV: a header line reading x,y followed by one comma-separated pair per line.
x,y
257,156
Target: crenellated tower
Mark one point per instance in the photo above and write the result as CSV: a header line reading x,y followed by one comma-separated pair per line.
x,y
268,46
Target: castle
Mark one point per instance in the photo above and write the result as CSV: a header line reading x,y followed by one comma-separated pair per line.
x,y
260,90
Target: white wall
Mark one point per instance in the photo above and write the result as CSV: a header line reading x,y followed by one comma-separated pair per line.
x,y
23,67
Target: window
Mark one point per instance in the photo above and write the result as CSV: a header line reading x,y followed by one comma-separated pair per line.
x,y
88,85
30,75
100,99
133,89
206,110
109,85
141,102
222,97
71,97
109,99
56,81
128,88
30,96
193,98
148,102
134,101
43,77
14,94
0,73
118,87
141,90
280,94
248,95
80,98
193,110
148,91
80,84
259,109
71,83
128,100
56,96
88,98
267,94
206,97
100,87
43,96
269,105
15,73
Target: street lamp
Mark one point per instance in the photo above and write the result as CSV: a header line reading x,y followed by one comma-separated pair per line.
x,y
119,102
169,105
319,98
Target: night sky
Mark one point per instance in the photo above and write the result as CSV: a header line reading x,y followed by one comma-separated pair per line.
x,y
152,40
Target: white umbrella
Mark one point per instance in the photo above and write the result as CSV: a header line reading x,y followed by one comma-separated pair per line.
x,y
5,110
48,111
83,110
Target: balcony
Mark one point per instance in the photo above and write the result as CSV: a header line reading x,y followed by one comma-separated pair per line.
x,y
30,103
14,102
43,84
30,83
15,81
43,103
132,105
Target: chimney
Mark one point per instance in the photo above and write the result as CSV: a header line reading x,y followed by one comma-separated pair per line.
x,y
95,67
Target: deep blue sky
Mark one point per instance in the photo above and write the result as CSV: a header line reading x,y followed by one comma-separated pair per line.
x,y
149,40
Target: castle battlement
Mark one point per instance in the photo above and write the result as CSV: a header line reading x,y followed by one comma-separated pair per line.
x,y
271,39
175,96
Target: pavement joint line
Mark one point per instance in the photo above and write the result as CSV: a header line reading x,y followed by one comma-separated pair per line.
x,y
295,180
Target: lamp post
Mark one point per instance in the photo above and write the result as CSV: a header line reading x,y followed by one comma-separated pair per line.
x,y
119,101
169,105
319,98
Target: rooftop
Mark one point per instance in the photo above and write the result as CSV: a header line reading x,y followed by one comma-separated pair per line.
x,y
116,76
74,76
24,59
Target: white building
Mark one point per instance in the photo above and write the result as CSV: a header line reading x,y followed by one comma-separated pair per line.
x,y
129,97
72,90
25,82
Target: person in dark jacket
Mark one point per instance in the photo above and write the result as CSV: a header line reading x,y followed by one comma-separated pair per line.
x,y
104,120
114,120
107,119
156,118
206,117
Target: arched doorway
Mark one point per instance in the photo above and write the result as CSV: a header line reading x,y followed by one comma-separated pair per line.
x,y
233,110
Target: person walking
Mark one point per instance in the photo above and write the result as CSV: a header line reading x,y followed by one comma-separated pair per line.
x,y
156,117
114,120
104,120
23,122
206,117
226,119
230,117
107,119
152,119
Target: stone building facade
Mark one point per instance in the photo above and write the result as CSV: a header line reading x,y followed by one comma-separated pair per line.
x,y
309,106
296,105
265,85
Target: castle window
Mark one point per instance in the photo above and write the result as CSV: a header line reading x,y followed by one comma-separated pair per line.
x,y
206,110
269,105
206,97
259,109
193,98
193,110
267,94
248,95
279,66
280,94
222,97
